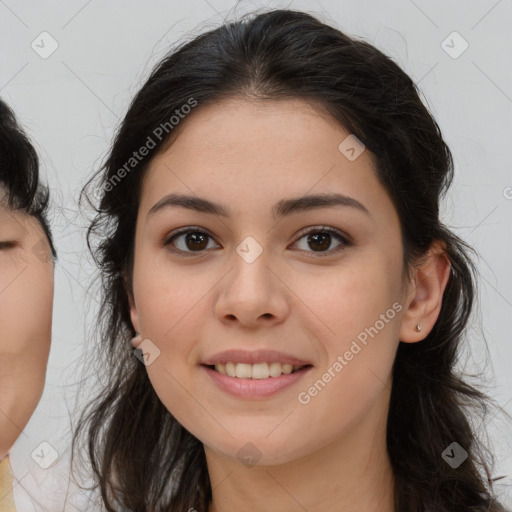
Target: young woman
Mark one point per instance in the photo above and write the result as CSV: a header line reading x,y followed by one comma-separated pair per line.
x,y
26,289
270,242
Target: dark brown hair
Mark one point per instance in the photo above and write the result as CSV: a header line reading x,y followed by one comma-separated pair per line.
x,y
142,458
19,172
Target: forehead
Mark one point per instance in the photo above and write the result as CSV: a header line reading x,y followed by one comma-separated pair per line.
x,y
261,150
217,125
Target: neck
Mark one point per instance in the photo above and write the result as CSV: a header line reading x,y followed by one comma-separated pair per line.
x,y
351,473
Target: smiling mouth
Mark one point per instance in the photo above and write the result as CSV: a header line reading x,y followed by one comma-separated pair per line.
x,y
256,371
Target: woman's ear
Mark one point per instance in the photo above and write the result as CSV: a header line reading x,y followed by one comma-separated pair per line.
x,y
133,313
131,301
425,294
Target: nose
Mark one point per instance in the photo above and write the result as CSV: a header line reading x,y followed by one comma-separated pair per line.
x,y
253,294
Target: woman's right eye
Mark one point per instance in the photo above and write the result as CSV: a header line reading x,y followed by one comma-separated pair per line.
x,y
191,241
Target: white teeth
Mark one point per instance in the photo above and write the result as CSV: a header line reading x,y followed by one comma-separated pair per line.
x,y
274,369
243,371
255,371
221,368
260,371
231,369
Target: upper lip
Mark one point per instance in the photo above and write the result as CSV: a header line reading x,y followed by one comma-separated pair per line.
x,y
253,357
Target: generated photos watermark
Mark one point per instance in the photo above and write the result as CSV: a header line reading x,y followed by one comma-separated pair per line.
x,y
305,397
156,136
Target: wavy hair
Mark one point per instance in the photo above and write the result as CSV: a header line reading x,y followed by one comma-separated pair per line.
x,y
142,458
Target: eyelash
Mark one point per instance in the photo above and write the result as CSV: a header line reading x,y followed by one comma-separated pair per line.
x,y
7,245
312,230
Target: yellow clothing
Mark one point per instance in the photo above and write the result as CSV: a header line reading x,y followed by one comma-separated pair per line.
x,y
6,489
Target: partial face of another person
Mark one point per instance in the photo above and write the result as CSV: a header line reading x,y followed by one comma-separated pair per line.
x,y
26,298
304,294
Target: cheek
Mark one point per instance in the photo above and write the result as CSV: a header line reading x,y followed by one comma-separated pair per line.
x,y
361,309
168,297
171,312
26,304
353,298
26,318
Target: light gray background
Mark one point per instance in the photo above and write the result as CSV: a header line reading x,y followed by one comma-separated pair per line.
x,y
71,102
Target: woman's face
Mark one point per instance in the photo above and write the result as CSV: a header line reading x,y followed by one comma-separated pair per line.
x,y
26,297
254,281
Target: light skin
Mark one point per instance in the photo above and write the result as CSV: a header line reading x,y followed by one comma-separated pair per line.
x,y
26,298
247,156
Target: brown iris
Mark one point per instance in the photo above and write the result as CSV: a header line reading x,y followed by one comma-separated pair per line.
x,y
196,240
321,240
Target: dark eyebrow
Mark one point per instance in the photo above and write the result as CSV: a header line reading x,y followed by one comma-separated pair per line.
x,y
281,209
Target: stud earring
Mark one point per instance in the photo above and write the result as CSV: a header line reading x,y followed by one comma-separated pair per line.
x,y
418,327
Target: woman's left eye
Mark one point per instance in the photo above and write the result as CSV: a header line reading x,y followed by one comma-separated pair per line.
x,y
193,240
321,238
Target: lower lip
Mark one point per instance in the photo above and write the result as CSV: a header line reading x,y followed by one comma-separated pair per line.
x,y
254,388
